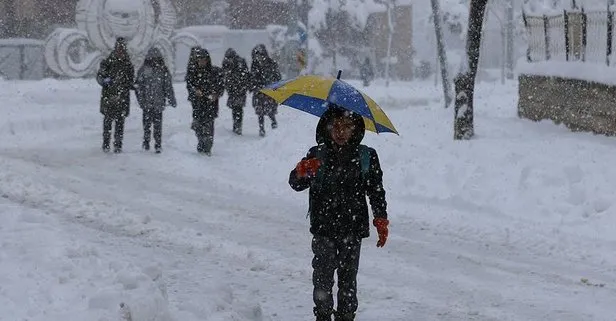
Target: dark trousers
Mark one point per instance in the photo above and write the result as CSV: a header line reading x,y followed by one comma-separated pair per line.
x,y
153,118
238,116
108,122
204,130
272,116
237,103
332,255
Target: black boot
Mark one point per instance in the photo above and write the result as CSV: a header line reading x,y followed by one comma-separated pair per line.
x,y
262,126
322,315
145,145
344,316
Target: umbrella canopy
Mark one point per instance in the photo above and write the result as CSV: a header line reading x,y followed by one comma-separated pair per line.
x,y
313,94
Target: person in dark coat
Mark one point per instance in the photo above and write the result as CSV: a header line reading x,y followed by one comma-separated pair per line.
x,y
366,72
237,82
340,173
154,90
115,75
205,86
264,71
192,60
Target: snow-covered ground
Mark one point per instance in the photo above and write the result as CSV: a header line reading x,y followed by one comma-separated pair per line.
x,y
517,224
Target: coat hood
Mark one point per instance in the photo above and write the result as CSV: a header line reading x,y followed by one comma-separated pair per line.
x,y
333,111
153,53
120,50
230,53
154,58
259,50
203,53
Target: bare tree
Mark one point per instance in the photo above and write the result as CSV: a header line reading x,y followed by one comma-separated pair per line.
x,y
465,81
509,57
442,52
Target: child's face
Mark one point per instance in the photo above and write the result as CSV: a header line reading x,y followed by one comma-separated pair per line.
x,y
341,130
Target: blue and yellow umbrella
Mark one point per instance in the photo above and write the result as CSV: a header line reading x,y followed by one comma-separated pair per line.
x,y
313,94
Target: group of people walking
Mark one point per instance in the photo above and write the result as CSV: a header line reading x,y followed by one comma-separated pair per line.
x,y
205,83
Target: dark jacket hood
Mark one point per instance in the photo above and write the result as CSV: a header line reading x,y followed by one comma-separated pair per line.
x,y
259,50
153,53
230,53
203,53
322,132
154,58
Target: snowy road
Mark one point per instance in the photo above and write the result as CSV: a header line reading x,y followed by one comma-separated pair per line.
x,y
500,228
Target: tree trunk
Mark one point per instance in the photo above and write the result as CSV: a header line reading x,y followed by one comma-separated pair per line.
x,y
465,80
510,45
442,53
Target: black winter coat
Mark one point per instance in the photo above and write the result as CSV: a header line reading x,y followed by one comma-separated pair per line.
x,y
236,77
154,87
264,71
115,97
337,205
207,79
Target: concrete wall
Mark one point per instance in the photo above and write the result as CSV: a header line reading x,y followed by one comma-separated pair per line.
x,y
578,104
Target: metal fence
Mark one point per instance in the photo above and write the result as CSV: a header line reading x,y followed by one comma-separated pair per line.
x,y
571,36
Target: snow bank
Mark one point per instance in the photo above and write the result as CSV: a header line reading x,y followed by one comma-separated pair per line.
x,y
587,71
49,273
495,225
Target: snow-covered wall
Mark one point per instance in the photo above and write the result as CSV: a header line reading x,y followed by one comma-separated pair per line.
x,y
21,59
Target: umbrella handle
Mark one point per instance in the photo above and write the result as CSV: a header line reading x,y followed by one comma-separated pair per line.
x,y
339,74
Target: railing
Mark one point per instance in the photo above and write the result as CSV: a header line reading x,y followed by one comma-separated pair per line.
x,y
571,36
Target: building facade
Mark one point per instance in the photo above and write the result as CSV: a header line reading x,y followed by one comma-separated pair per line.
x,y
34,19
401,49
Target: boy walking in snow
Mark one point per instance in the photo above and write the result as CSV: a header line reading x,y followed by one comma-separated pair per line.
x,y
340,172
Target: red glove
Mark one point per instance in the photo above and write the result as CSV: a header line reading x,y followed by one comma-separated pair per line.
x,y
307,168
381,227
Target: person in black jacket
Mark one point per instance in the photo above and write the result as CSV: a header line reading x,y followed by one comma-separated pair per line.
x,y
264,71
236,78
205,86
340,172
115,75
154,89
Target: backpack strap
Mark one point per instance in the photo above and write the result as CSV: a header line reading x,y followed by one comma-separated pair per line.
x,y
320,155
364,160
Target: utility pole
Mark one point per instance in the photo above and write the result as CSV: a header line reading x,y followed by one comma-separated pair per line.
x,y
390,26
